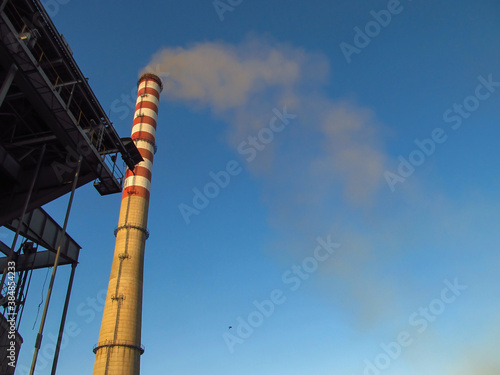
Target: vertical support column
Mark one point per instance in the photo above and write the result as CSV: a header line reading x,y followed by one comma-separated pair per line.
x,y
63,319
119,348
39,337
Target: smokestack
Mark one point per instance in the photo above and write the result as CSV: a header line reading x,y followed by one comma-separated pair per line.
x,y
119,348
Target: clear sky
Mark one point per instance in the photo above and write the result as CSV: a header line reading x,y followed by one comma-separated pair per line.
x,y
355,227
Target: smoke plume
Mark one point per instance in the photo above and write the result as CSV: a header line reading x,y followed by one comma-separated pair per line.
x,y
327,162
242,84
321,175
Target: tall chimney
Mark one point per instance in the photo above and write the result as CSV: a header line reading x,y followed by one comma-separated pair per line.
x,y
119,348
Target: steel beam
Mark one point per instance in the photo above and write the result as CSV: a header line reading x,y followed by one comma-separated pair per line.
x,y
4,89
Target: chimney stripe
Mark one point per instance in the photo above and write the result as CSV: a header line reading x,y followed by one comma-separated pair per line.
x,y
144,136
147,163
147,104
139,171
148,98
149,84
150,91
144,127
137,181
136,191
145,120
144,145
145,112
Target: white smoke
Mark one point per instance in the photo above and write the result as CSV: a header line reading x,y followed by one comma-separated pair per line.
x,y
324,174
242,84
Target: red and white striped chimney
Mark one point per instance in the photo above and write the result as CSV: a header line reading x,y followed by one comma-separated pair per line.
x,y
119,348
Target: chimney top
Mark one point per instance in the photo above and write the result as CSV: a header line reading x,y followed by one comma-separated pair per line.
x,y
151,76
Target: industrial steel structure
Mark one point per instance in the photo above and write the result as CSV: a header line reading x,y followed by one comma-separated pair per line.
x,y
54,138
119,348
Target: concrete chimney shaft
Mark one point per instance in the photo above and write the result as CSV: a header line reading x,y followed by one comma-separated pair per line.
x,y
119,347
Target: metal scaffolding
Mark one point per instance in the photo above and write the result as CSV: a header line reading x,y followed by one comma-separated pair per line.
x,y
51,124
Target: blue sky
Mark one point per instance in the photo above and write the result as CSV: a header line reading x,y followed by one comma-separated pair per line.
x,y
411,286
